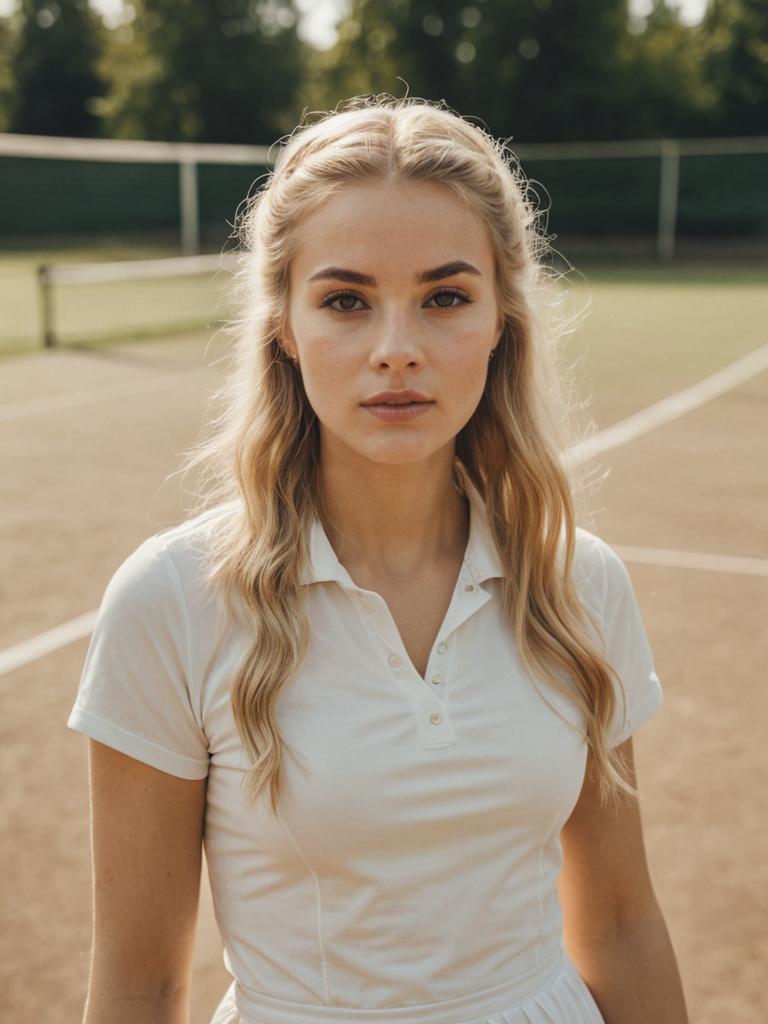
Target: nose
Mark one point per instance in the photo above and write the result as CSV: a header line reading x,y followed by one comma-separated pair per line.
x,y
396,343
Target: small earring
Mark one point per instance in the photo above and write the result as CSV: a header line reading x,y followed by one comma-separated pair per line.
x,y
493,353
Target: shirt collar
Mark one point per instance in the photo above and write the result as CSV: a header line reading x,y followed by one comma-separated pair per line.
x,y
480,557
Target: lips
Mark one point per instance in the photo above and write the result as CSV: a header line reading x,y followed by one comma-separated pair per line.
x,y
396,403
397,398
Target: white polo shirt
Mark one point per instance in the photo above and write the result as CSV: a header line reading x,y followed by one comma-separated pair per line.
x,y
411,874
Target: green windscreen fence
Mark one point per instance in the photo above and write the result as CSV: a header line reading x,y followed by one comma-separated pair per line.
x,y
721,196
718,196
597,197
44,197
221,189
50,197
724,195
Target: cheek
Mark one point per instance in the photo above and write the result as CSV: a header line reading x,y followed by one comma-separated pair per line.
x,y
328,373
467,363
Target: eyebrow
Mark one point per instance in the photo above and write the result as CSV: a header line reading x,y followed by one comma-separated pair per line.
x,y
436,274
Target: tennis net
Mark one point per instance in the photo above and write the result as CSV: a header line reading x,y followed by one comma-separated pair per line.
x,y
84,303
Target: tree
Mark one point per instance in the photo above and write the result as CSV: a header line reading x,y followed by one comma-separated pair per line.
x,y
381,42
736,66
543,69
661,86
213,71
54,69
7,46
550,68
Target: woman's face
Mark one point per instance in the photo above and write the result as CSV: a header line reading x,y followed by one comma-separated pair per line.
x,y
392,288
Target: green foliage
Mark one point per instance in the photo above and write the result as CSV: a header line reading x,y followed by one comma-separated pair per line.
x,y
531,70
539,68
736,66
213,71
550,71
661,87
558,70
7,39
53,66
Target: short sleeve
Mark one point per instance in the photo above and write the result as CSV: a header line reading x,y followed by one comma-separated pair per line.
x,y
627,649
134,690
605,587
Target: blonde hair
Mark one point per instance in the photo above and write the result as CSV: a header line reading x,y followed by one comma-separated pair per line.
x,y
260,462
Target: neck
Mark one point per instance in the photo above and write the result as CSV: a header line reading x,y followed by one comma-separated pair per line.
x,y
396,521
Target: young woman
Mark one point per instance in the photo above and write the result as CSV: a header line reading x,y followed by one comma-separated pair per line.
x,y
380,673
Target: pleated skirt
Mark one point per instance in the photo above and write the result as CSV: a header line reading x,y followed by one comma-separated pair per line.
x,y
564,1000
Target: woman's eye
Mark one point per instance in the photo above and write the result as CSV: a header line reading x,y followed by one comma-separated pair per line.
x,y
347,300
449,294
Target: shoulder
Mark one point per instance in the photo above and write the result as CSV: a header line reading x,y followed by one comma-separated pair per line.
x,y
187,544
597,570
167,568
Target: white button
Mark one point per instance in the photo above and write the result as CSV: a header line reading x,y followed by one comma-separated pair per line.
x,y
442,648
437,678
469,587
394,660
435,718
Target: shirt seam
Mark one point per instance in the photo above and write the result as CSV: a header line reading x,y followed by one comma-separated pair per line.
x,y
175,575
542,915
319,906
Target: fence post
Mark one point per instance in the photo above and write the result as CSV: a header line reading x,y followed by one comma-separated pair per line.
x,y
46,310
188,207
669,181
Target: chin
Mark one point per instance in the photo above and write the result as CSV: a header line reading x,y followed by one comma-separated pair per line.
x,y
389,451
386,445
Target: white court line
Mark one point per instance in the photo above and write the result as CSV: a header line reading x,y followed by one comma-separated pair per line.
x,y
673,406
693,560
661,412
44,643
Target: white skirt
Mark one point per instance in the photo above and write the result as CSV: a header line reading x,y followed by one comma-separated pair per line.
x,y
564,1000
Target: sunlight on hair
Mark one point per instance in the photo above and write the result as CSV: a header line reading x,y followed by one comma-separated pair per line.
x,y
258,465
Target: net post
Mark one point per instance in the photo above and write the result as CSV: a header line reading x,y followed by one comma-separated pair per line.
x,y
46,306
668,189
188,207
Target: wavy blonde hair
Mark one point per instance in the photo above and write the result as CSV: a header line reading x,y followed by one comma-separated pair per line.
x,y
260,461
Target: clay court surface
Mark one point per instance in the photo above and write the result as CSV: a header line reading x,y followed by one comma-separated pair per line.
x,y
88,440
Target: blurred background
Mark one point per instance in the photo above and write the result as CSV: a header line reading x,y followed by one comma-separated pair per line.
x,y
131,133
638,122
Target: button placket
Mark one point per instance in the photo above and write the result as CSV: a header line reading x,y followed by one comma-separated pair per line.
x,y
438,665
434,722
426,696
467,591
468,598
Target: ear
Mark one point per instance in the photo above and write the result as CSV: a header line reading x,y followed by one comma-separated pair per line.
x,y
284,337
286,334
500,325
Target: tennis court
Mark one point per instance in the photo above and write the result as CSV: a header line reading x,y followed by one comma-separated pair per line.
x,y
88,440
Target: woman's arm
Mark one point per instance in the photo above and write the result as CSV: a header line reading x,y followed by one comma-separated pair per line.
x,y
614,930
146,845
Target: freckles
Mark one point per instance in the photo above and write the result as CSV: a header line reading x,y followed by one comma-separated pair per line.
x,y
469,355
327,371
